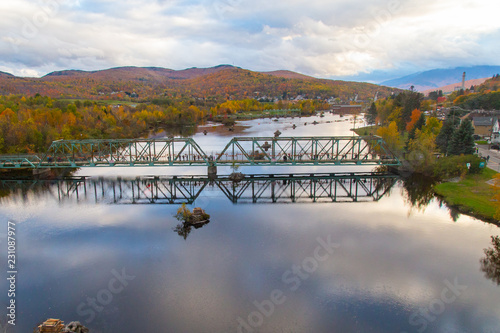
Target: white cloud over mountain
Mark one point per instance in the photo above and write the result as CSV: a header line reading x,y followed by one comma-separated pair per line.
x,y
321,38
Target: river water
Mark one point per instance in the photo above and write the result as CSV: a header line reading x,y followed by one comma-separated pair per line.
x,y
381,265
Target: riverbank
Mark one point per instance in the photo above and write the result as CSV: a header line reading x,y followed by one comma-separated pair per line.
x,y
367,130
472,195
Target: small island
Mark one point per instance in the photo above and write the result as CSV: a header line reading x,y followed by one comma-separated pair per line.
x,y
197,219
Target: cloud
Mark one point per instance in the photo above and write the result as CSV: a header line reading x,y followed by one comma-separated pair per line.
x,y
322,38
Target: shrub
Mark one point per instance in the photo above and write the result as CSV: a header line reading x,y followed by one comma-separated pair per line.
x,y
456,166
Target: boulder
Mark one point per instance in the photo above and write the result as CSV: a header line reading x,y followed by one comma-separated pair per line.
x,y
75,327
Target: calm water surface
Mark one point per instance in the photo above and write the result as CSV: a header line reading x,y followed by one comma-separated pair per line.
x,y
371,266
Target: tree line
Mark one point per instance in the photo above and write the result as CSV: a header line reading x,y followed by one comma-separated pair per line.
x,y
29,125
426,142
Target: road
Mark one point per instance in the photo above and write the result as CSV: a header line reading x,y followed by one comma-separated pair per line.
x,y
494,161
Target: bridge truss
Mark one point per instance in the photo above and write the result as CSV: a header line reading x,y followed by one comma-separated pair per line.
x,y
307,150
123,152
367,150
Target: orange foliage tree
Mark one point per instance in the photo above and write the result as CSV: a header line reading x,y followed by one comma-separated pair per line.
x,y
415,114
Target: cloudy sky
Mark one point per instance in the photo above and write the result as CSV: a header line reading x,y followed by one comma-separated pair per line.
x,y
363,39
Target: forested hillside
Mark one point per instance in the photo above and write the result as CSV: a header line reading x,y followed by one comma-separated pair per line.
x,y
220,83
485,97
29,125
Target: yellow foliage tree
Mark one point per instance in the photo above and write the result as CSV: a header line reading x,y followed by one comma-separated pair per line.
x,y
391,136
432,125
496,198
421,150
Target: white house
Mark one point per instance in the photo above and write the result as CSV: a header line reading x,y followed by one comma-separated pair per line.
x,y
495,132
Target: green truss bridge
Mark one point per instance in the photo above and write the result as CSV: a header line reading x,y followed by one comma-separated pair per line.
x,y
356,150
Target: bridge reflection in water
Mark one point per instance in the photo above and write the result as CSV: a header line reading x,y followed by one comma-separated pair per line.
x,y
290,188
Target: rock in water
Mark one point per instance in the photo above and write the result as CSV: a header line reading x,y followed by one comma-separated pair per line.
x,y
76,327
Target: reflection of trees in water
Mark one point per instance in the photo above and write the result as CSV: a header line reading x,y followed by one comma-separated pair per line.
x,y
384,185
418,190
20,184
490,264
183,229
190,130
183,215
182,131
454,212
22,188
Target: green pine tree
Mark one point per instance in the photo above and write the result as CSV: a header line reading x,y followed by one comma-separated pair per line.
x,y
444,137
462,141
371,115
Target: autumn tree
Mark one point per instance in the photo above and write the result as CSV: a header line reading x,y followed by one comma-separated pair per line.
x,y
391,136
415,115
422,147
434,95
432,125
386,108
408,101
416,127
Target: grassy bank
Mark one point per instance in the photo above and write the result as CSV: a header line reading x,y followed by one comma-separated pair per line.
x,y
471,195
368,130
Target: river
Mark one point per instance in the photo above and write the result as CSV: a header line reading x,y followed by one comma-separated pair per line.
x,y
377,264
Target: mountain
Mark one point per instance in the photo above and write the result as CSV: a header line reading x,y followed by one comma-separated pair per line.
x,y
441,77
131,72
70,72
451,87
5,74
220,82
288,75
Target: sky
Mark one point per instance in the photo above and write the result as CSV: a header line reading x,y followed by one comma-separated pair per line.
x,y
363,40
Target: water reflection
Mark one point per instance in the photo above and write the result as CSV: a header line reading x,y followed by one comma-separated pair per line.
x,y
386,268
418,190
179,131
490,264
389,265
419,193
291,188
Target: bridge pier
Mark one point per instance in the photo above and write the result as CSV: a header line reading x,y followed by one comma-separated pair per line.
x,y
212,171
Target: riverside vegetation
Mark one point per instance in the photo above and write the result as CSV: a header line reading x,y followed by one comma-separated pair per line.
x,y
442,151
29,124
